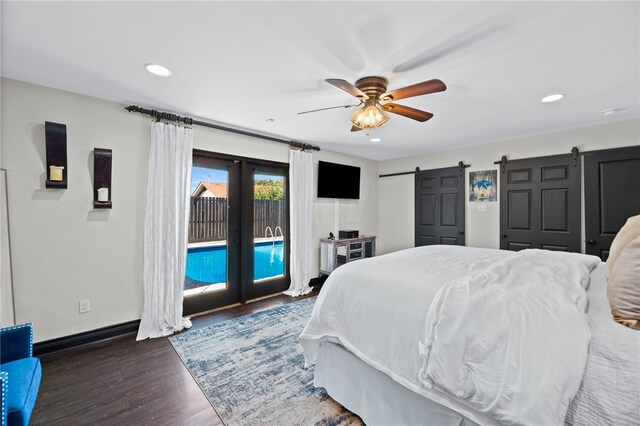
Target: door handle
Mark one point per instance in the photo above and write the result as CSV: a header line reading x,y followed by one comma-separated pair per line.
x,y
504,235
591,242
461,232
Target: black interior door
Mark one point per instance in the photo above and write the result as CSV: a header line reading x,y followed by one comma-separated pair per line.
x,y
540,203
439,207
612,194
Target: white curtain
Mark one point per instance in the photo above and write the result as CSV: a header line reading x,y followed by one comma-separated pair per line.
x,y
301,220
165,230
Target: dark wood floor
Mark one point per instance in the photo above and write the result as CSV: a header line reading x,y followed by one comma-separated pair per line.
x,y
124,382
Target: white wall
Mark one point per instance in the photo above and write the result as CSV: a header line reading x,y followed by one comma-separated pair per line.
x,y
396,194
64,251
359,214
6,287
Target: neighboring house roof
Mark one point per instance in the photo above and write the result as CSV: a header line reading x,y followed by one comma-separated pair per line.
x,y
210,189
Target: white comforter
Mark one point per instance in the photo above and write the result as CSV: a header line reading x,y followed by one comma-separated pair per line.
x,y
511,341
377,308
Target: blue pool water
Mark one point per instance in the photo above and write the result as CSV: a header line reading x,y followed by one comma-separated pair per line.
x,y
209,264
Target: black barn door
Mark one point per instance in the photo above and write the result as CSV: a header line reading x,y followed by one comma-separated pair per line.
x,y
540,203
439,207
612,194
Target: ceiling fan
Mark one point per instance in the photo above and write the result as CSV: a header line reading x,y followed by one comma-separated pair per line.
x,y
375,100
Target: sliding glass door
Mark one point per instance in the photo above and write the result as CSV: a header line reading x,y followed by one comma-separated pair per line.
x,y
238,231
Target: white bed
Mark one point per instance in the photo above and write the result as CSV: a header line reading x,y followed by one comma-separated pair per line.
x,y
386,300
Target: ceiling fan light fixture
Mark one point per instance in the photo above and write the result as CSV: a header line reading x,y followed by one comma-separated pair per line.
x,y
369,117
372,91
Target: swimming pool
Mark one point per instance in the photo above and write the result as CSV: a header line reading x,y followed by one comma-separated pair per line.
x,y
207,265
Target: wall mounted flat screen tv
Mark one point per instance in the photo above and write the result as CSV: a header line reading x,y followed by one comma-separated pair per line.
x,y
338,181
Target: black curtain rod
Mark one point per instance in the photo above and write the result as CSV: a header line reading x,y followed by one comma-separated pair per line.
x,y
460,166
160,115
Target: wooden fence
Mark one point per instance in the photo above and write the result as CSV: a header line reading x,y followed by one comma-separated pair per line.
x,y
267,213
208,218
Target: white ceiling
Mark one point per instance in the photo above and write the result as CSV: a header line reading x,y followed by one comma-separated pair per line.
x,y
241,63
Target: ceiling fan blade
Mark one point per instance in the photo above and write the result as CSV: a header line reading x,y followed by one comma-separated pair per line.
x,y
335,107
473,37
355,129
424,88
347,87
414,114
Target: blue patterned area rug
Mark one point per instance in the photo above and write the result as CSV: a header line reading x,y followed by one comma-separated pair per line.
x,y
252,370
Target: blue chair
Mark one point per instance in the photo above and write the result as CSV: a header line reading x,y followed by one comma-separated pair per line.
x,y
20,373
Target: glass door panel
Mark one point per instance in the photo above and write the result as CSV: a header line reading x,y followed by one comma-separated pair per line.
x,y
269,226
211,279
266,269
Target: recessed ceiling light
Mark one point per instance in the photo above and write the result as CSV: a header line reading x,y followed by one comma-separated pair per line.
x,y
611,111
375,140
552,98
158,70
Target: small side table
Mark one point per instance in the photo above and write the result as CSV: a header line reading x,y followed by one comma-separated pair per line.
x,y
334,253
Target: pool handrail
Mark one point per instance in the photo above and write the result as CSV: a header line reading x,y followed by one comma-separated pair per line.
x,y
274,240
275,234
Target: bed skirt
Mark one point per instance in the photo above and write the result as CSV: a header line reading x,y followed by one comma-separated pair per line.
x,y
373,395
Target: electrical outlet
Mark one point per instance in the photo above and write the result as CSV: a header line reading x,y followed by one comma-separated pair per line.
x,y
84,306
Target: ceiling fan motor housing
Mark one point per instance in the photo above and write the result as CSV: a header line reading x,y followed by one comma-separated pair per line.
x,y
373,86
